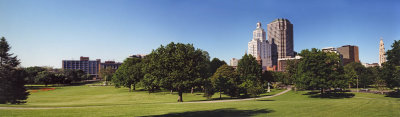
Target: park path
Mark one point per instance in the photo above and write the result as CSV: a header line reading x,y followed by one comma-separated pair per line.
x,y
232,100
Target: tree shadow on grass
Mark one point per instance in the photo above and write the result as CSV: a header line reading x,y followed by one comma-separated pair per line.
x,y
265,100
330,95
226,112
393,94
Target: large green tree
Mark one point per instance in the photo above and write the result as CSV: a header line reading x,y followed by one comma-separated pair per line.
x,y
129,73
319,70
250,73
391,69
12,89
226,80
175,67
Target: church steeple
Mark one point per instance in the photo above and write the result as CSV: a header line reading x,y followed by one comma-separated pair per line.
x,y
382,57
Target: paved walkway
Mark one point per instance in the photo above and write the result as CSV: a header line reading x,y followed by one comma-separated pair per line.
x,y
232,100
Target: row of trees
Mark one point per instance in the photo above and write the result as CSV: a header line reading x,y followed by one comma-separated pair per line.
x,y
181,67
42,75
323,71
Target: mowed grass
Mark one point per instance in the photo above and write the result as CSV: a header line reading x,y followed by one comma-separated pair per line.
x,y
110,101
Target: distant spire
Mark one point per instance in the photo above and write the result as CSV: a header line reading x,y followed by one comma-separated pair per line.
x,y
258,24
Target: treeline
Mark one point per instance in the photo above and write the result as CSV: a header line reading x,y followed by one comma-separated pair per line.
x,y
182,68
43,75
318,70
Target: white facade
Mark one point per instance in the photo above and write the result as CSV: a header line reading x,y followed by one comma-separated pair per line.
x,y
382,57
260,47
234,62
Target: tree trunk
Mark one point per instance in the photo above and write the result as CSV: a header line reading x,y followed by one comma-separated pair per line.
x,y
322,91
180,96
130,88
171,91
357,84
191,91
349,87
220,97
134,86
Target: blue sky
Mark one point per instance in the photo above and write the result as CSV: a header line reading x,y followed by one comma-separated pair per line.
x,y
44,32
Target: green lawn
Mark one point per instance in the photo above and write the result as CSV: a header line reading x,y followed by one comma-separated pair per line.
x,y
109,101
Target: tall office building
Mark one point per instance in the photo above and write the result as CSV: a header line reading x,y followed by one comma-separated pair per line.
x,y
349,54
382,57
260,48
280,36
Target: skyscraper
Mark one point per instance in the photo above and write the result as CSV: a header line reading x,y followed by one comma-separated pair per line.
x,y
280,36
259,47
382,57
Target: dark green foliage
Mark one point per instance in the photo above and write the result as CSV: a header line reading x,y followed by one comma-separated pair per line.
x,y
215,64
209,90
357,74
393,55
72,76
248,66
45,77
250,73
175,67
32,73
12,89
319,70
391,69
391,75
282,77
129,73
226,80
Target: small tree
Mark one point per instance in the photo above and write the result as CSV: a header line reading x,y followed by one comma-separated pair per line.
x,y
106,74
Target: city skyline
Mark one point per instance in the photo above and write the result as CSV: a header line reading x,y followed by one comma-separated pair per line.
x,y
43,33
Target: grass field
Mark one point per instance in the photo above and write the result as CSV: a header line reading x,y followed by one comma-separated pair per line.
x,y
109,101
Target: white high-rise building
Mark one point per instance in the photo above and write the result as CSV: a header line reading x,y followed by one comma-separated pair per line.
x,y
382,57
260,47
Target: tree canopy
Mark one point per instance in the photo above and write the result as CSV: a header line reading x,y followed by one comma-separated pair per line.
x,y
175,67
12,89
129,73
226,80
250,73
391,69
319,70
